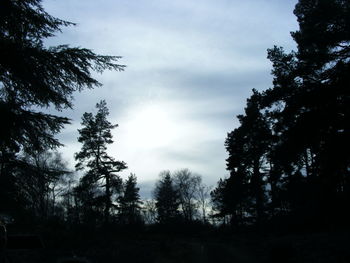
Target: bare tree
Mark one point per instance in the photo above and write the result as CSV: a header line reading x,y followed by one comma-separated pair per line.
x,y
42,174
187,184
204,200
149,211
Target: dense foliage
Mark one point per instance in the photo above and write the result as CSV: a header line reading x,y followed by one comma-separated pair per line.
x,y
34,77
289,157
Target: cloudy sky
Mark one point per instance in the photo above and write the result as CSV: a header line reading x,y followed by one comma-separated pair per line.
x,y
190,67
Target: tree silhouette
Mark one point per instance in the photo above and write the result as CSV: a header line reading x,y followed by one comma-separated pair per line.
x,y
167,199
294,137
204,201
36,182
218,198
130,202
247,147
87,209
33,75
39,175
149,211
310,84
102,168
187,186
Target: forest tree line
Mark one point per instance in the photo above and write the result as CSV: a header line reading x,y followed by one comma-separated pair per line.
x,y
288,160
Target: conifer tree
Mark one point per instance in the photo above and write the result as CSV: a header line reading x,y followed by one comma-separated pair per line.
x,y
167,199
101,169
34,77
247,147
295,136
311,89
129,201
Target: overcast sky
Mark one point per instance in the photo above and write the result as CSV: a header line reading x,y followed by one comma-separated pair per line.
x,y
190,67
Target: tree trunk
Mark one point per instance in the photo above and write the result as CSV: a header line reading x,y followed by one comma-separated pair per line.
x,y
258,192
108,199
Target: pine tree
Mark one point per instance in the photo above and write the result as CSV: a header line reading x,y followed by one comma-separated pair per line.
x,y
311,91
102,169
129,202
167,199
247,146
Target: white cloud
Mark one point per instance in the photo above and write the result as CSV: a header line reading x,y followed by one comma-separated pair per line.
x,y
190,67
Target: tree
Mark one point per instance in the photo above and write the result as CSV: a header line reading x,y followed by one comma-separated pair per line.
x,y
39,178
203,197
218,199
231,199
102,168
292,142
310,86
149,211
248,146
187,185
34,77
88,204
68,201
129,202
167,199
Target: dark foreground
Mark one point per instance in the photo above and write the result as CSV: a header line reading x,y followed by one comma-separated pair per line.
x,y
84,246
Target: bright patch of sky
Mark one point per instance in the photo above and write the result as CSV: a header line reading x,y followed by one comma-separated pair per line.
x,y
190,67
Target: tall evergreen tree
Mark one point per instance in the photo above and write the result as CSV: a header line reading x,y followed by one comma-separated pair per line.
x,y
88,208
130,202
220,202
295,136
247,147
34,77
167,199
102,169
311,87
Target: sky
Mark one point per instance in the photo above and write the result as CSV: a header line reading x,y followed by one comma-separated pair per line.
x,y
191,65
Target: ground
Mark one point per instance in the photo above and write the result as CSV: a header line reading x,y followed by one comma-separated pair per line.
x,y
330,246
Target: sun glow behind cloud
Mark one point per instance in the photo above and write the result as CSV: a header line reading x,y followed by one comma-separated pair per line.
x,y
190,68
150,126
